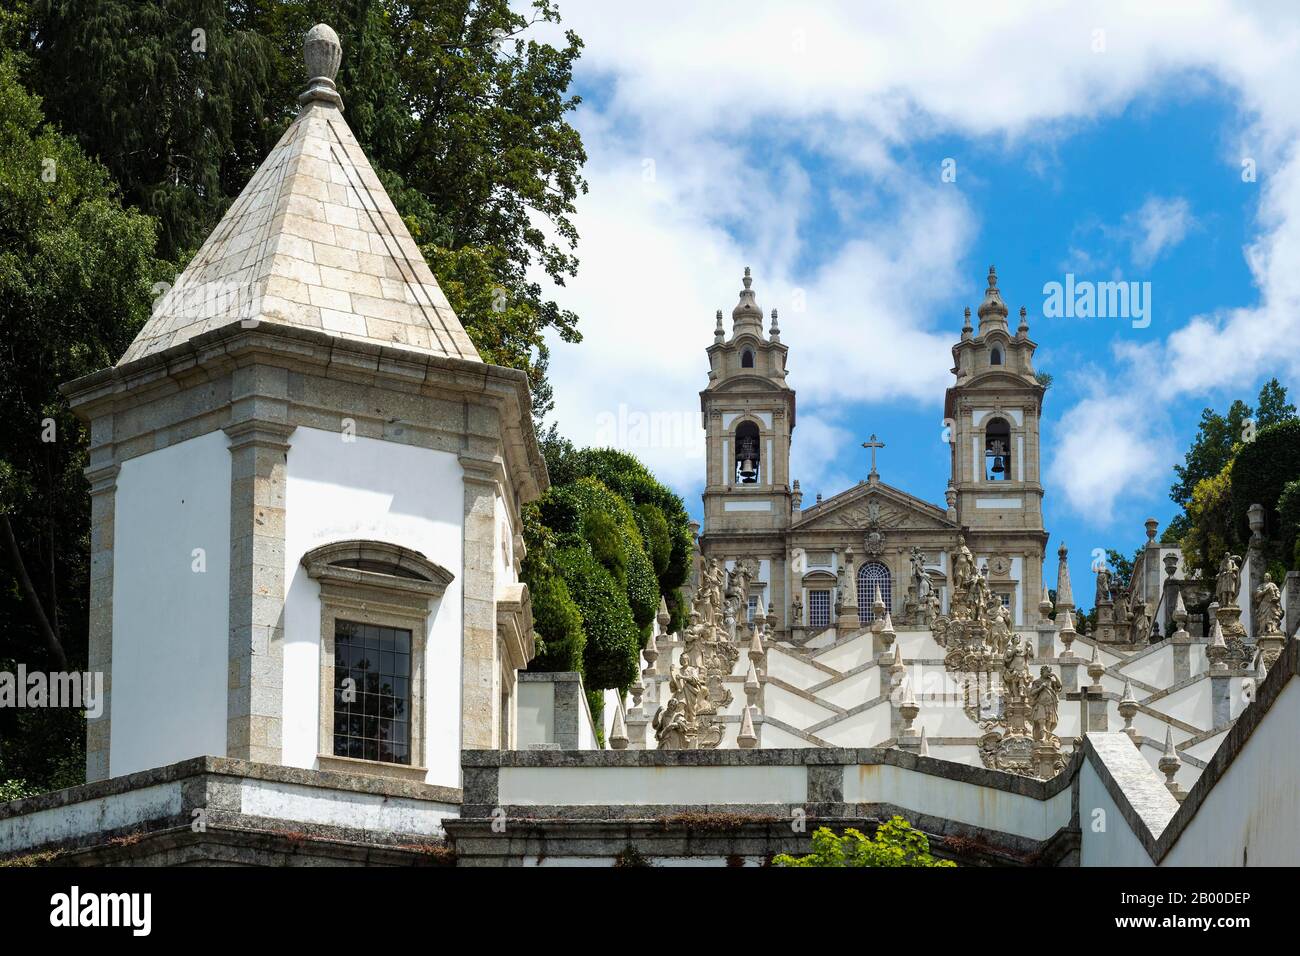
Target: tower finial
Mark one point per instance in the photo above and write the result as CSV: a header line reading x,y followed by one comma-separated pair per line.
x,y
323,53
992,309
747,313
1023,328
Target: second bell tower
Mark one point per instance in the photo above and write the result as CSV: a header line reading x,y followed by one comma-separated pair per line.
x,y
748,411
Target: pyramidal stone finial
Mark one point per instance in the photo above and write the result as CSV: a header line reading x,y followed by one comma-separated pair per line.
x,y
1064,593
924,750
323,53
618,733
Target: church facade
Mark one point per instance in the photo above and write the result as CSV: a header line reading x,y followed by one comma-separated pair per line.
x,y
817,565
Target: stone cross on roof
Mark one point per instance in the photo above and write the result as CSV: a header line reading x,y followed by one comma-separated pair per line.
x,y
313,242
873,443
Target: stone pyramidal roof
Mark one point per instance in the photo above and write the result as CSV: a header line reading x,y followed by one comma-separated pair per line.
x,y
314,242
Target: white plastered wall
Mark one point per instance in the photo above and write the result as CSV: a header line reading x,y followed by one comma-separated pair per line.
x,y
171,619
383,491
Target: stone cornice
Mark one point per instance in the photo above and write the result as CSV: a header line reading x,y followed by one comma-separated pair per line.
x,y
219,353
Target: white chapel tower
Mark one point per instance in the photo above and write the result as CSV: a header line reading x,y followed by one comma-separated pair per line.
x,y
305,492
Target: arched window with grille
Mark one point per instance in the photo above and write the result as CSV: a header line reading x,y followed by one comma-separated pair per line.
x,y
870,576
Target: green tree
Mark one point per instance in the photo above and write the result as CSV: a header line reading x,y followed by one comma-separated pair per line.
x,y
1214,445
463,115
75,275
1288,511
1211,531
1273,408
895,843
169,95
1260,473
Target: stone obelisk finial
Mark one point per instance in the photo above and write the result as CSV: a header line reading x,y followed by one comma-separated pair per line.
x,y
323,53
1064,593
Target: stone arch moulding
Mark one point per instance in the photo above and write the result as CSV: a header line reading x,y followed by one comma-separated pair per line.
x,y
377,564
818,578
385,585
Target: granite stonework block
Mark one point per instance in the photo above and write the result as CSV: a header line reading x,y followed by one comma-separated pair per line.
x,y
210,824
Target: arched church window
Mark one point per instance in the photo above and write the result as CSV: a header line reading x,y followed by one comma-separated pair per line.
x,y
871,576
997,357
747,358
997,450
747,456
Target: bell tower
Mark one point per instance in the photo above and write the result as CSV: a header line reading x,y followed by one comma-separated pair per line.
x,y
748,412
992,412
748,417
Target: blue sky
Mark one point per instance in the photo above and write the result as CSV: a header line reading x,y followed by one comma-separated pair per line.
x,y
1088,140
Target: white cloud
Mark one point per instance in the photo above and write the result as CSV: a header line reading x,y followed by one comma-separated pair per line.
x,y
1107,447
1159,225
716,94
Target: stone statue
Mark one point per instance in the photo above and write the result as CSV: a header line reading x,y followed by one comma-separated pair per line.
x,y
711,586
1141,618
796,611
920,579
1015,667
670,725
1044,703
999,617
694,637
740,578
688,719
1103,585
1268,607
977,595
963,565
933,607
1228,581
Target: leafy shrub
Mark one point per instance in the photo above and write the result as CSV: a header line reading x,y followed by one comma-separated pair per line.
x,y
612,647
895,844
557,623
658,538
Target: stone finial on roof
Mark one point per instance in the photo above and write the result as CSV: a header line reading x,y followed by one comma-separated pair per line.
x,y
719,333
966,330
747,313
1022,330
774,333
323,53
924,749
992,309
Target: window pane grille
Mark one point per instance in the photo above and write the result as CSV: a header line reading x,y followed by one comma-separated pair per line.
x,y
372,692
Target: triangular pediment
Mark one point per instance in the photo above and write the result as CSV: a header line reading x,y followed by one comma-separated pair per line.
x,y
873,505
